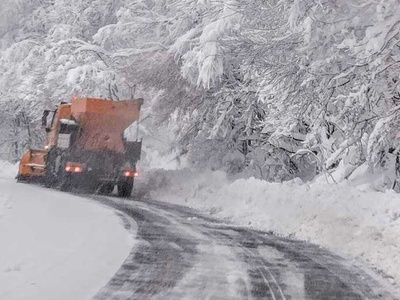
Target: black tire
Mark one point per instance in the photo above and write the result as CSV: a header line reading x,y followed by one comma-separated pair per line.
x,y
50,177
49,180
125,188
106,188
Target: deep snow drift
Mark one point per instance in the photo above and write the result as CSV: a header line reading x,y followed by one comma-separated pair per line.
x,y
54,245
350,218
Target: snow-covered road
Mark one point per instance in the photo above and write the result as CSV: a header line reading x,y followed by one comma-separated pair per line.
x,y
55,245
181,254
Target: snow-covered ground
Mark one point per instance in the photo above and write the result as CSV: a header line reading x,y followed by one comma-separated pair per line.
x,y
54,245
350,217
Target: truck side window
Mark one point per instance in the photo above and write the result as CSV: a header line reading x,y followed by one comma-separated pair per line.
x,y
44,118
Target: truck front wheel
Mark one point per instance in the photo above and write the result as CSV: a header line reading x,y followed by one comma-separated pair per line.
x,y
125,188
66,183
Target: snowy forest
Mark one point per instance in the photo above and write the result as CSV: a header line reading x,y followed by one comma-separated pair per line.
x,y
275,89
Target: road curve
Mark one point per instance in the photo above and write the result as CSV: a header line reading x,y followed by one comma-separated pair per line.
x,y
181,254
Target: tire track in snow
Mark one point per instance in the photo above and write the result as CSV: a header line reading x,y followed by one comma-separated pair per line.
x,y
182,254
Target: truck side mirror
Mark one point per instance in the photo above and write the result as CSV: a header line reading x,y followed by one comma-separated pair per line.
x,y
44,117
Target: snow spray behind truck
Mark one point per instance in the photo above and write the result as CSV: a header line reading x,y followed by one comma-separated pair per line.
x,y
85,147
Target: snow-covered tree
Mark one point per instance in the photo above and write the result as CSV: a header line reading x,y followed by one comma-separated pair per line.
x,y
275,89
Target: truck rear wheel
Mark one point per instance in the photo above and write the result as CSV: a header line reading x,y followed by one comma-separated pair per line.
x,y
125,188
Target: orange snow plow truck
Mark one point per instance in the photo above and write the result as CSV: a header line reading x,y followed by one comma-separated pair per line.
x,y
85,147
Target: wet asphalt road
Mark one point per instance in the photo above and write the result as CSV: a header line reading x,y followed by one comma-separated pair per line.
x,y
180,254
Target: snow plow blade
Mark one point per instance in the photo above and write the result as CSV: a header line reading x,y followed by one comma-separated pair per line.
x,y
32,165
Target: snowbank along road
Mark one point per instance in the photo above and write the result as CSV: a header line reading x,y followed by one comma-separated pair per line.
x,y
180,254
54,245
